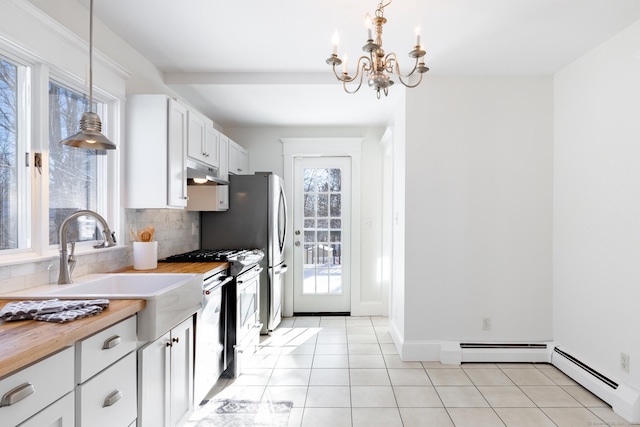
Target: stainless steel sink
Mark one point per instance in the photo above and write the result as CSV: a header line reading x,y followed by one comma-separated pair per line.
x,y
170,298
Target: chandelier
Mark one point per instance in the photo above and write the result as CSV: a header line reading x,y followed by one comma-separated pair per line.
x,y
375,64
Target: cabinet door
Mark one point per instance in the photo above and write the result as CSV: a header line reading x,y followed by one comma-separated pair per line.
x,y
211,144
238,159
153,383
223,167
59,414
176,176
109,398
182,372
36,387
195,137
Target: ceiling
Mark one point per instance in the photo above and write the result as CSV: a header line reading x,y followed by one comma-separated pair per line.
x,y
260,63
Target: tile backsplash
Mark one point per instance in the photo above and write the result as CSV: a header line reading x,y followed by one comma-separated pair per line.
x,y
177,231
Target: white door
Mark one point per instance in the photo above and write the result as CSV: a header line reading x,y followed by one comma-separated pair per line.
x,y
322,237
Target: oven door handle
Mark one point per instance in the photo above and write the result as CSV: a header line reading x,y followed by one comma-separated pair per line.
x,y
208,287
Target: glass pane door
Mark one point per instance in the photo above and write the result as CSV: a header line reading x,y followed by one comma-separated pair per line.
x,y
321,234
322,231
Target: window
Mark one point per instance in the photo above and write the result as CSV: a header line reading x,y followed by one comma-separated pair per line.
x,y
74,173
12,178
43,94
76,178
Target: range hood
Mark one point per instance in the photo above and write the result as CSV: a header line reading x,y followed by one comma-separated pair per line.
x,y
197,170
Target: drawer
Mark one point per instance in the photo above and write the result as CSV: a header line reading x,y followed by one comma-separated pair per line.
x,y
100,350
117,384
59,414
49,379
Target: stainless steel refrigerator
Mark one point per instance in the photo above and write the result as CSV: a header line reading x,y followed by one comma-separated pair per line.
x,y
256,219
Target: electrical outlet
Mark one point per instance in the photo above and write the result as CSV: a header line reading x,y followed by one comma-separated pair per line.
x,y
486,323
193,228
624,362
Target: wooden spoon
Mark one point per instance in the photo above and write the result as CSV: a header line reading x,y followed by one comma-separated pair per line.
x,y
145,236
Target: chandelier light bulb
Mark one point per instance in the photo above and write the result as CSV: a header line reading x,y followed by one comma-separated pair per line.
x,y
336,40
367,23
418,35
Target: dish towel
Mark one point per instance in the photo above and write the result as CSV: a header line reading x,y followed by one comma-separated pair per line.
x,y
53,310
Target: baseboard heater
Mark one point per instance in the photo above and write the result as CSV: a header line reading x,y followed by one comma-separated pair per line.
x,y
624,400
478,352
598,375
321,313
500,345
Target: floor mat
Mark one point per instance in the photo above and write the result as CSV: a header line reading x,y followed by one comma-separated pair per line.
x,y
241,413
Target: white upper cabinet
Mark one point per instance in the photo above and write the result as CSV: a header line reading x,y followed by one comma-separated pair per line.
x,y
223,170
203,140
212,144
155,153
238,159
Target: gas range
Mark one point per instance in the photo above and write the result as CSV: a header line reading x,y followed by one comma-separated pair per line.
x,y
240,259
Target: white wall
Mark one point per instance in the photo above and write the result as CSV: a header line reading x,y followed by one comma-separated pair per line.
x,y
265,154
478,210
597,206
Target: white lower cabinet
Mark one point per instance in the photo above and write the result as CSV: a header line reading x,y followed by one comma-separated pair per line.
x,y
165,370
106,394
61,413
25,393
109,398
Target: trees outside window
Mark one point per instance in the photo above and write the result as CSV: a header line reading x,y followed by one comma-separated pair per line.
x,y
8,155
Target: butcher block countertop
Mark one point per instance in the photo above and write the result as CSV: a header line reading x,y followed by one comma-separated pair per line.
x,y
24,342
183,267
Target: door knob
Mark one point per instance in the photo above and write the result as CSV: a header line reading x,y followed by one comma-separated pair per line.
x,y
297,243
297,232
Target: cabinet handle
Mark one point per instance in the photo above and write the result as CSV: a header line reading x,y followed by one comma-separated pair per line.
x,y
17,394
175,339
112,399
169,344
111,342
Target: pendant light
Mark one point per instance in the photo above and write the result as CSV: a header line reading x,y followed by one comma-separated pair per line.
x,y
90,135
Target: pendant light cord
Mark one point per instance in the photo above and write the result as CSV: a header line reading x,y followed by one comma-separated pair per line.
x,y
91,56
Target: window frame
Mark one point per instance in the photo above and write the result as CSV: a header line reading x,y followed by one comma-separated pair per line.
x,y
24,185
33,191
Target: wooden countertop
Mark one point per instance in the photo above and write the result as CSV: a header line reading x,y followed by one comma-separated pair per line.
x,y
183,267
26,341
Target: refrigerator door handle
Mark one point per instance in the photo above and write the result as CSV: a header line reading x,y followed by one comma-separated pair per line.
x,y
283,269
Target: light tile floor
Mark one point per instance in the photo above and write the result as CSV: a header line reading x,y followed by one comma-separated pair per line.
x,y
345,371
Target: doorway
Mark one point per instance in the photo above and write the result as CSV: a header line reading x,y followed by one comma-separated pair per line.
x,y
322,235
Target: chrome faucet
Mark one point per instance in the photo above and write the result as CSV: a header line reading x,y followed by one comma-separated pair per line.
x,y
109,240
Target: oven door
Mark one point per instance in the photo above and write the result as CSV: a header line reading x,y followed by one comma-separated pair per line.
x,y
210,361
248,302
247,317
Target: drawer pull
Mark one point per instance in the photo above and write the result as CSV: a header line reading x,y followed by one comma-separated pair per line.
x,y
111,342
112,399
17,394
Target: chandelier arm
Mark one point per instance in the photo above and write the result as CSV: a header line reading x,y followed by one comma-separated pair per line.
x,y
344,86
408,85
364,67
364,64
395,64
